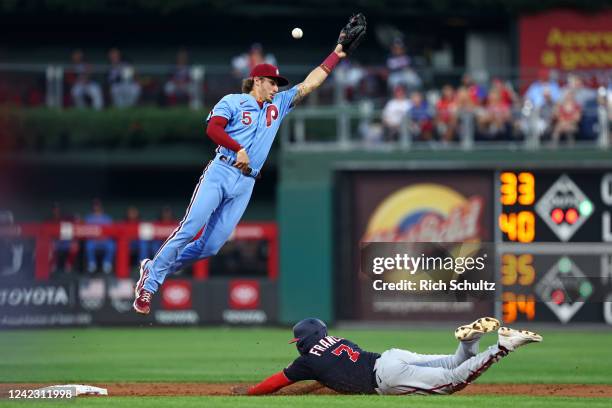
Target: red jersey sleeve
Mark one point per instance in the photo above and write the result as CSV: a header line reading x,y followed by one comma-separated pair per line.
x,y
216,131
271,384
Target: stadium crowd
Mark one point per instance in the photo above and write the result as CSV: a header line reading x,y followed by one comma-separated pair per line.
x,y
551,108
554,106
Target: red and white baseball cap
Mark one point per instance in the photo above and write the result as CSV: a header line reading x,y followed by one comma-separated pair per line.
x,y
269,71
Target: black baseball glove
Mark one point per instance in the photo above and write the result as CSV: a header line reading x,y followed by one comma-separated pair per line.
x,y
353,33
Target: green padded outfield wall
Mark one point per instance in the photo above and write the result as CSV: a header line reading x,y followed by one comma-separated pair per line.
x,y
305,213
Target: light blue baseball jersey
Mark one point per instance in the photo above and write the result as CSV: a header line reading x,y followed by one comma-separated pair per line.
x,y
254,128
223,192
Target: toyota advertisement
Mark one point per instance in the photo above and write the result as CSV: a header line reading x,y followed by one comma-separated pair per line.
x,y
108,301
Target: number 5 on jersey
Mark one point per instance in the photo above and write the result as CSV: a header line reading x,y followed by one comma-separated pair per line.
x,y
246,118
353,355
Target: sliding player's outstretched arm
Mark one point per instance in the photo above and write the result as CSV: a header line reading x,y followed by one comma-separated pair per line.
x,y
268,386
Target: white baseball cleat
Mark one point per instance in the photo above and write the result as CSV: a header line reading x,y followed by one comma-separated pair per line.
x,y
510,339
476,329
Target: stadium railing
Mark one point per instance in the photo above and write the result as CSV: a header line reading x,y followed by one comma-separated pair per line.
x,y
45,234
345,128
337,114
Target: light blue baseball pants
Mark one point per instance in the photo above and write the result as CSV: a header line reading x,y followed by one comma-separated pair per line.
x,y
217,204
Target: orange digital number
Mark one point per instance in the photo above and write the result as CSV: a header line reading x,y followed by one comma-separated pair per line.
x,y
513,188
517,269
526,188
513,304
518,227
526,305
526,270
509,269
526,226
507,225
509,307
508,188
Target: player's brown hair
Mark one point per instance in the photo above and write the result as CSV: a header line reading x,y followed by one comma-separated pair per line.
x,y
247,85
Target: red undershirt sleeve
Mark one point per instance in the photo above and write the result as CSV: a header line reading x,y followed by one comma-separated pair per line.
x,y
271,384
216,131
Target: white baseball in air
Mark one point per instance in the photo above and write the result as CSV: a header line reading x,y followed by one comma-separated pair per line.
x,y
297,33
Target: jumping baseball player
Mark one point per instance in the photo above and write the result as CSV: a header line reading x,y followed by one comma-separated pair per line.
x,y
244,126
343,366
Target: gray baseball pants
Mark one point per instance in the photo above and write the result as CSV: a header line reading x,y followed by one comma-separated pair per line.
x,y
404,372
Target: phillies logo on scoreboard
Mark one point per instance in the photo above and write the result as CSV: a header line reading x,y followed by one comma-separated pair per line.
x,y
426,213
564,208
176,295
244,294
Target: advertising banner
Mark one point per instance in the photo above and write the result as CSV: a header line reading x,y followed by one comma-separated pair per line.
x,y
565,40
106,301
436,211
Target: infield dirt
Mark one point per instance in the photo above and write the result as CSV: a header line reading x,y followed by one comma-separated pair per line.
x,y
208,389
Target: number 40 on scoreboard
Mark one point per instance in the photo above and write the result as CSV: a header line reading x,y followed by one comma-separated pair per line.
x,y
554,206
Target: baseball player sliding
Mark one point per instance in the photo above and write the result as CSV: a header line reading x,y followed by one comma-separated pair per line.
x,y
244,126
343,366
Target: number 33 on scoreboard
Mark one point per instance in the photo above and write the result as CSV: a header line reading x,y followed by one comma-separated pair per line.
x,y
517,189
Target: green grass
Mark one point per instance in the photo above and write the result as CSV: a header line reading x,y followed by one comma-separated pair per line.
x,y
229,355
354,401
149,354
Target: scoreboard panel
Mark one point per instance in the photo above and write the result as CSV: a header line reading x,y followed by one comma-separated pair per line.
x,y
554,206
554,244
547,229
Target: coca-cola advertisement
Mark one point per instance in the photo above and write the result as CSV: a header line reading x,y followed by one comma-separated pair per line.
x,y
450,207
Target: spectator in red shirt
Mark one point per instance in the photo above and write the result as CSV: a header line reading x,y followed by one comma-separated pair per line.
x,y
475,92
446,114
508,97
567,114
463,100
495,119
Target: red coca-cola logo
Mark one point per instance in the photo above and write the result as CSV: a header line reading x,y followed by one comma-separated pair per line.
x,y
244,294
176,295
